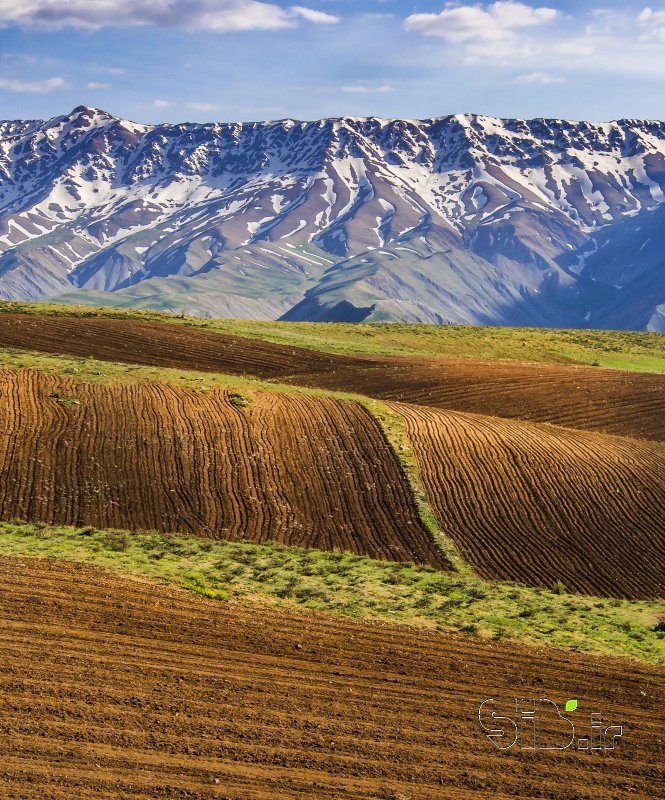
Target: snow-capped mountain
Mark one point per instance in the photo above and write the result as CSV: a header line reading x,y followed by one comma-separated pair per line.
x,y
464,218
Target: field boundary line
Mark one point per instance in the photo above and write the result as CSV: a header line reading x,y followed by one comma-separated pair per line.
x,y
393,426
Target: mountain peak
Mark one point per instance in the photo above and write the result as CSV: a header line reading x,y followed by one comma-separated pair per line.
x,y
90,111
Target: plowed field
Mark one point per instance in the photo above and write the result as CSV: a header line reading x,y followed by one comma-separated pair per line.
x,y
588,398
312,472
537,503
609,401
161,345
115,689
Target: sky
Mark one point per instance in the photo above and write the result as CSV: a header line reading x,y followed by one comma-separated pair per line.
x,y
230,60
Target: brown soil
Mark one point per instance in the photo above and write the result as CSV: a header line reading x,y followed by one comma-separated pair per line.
x,y
159,344
588,398
312,472
538,503
609,401
116,689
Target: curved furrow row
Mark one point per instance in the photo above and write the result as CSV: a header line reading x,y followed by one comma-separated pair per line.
x,y
316,472
540,504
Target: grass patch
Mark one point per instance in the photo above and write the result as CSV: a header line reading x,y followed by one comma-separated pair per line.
x,y
239,400
394,429
350,585
630,350
107,372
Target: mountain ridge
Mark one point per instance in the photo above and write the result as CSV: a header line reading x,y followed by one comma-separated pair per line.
x,y
462,218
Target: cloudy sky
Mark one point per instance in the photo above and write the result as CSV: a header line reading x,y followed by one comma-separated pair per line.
x,y
201,60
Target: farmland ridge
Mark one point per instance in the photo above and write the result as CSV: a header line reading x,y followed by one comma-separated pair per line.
x,y
540,504
608,401
543,504
320,565
310,472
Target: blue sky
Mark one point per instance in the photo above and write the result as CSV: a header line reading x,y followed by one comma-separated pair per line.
x,y
202,60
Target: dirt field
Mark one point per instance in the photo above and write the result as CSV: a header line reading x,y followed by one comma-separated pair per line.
x,y
312,472
537,503
607,401
610,401
161,345
111,688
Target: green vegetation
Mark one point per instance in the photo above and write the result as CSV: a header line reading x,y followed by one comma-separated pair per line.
x,y
239,400
394,429
350,585
631,350
89,369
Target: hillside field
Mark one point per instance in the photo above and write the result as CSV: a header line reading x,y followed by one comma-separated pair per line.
x,y
111,689
629,350
240,568
545,505
609,401
314,472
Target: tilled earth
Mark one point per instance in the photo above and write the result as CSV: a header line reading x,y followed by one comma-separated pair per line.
x,y
540,503
304,471
111,688
609,401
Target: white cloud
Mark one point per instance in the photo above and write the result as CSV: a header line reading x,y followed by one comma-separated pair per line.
x,y
211,15
319,17
203,106
536,44
496,22
653,24
539,78
363,89
574,47
33,87
96,85
160,103
649,15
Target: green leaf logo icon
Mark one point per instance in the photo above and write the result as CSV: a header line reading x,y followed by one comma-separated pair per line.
x,y
571,705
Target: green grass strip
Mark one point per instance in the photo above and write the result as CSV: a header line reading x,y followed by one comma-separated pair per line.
x,y
108,372
638,351
353,586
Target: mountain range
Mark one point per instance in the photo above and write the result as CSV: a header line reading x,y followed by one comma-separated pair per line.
x,y
463,219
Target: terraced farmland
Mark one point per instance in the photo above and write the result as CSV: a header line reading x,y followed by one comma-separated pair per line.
x,y
112,688
609,401
314,472
540,504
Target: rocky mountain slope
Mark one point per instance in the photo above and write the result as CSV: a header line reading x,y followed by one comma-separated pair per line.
x,y
462,219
